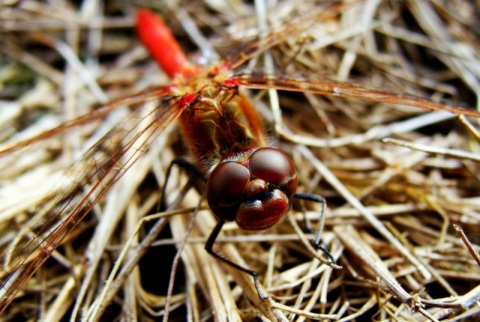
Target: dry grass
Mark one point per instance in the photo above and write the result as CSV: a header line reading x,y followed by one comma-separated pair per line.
x,y
402,184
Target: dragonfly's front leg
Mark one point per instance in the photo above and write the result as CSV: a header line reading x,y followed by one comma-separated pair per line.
x,y
209,248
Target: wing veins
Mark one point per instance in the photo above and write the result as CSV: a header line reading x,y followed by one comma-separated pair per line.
x,y
95,114
339,89
55,238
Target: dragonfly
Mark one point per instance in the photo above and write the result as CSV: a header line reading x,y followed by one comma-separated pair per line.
x,y
247,181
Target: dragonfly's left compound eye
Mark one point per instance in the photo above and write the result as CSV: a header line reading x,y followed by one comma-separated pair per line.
x,y
276,168
225,188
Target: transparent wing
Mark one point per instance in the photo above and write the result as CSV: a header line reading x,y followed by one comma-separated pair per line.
x,y
96,114
82,187
254,48
348,90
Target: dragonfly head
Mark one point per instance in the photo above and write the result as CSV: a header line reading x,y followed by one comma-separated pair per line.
x,y
255,192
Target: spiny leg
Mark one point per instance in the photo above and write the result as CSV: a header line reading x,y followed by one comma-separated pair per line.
x,y
317,239
194,174
209,248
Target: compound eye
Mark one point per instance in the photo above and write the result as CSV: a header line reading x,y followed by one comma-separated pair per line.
x,y
275,167
226,183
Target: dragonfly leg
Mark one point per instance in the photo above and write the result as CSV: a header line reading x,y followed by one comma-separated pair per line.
x,y
317,240
209,248
194,175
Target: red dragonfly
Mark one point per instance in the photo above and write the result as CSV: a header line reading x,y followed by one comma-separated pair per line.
x,y
248,182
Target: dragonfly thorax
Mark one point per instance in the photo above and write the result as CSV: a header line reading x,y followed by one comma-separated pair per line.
x,y
221,122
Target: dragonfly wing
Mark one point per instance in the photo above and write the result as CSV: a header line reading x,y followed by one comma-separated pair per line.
x,y
347,90
94,115
99,169
255,48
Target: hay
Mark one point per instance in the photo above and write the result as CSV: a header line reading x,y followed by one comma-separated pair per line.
x,y
401,182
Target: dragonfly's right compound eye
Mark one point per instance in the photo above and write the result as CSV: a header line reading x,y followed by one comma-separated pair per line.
x,y
225,188
275,167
